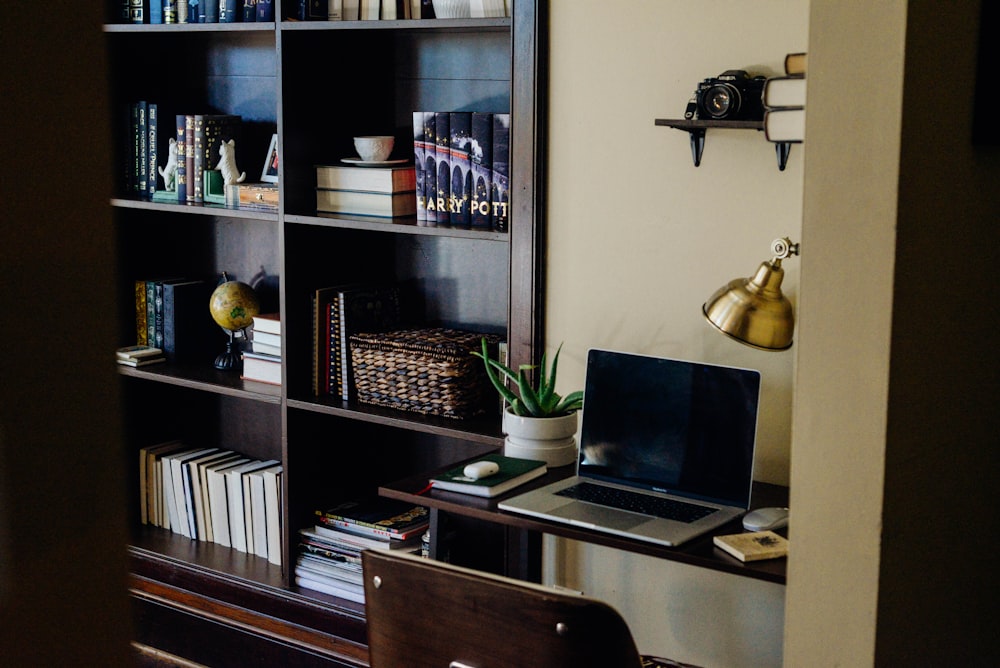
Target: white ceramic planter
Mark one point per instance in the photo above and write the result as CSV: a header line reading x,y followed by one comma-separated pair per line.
x,y
551,440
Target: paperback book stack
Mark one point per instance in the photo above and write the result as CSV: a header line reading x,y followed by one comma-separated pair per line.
x,y
139,355
212,495
329,559
262,362
462,170
385,192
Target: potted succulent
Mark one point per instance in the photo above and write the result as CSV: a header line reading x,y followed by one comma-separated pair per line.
x,y
538,422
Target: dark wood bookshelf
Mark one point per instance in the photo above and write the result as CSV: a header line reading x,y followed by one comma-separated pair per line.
x,y
216,605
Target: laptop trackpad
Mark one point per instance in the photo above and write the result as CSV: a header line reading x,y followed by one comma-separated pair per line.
x,y
604,517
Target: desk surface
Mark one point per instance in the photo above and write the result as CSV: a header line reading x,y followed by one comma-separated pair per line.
x,y
698,552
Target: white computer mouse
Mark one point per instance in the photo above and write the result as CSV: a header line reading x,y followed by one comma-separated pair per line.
x,y
477,470
765,519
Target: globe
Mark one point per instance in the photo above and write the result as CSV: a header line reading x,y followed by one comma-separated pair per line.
x,y
233,305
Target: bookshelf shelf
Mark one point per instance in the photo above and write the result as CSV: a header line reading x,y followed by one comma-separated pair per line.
x,y
195,599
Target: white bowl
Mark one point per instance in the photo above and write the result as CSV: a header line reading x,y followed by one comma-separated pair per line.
x,y
376,148
452,9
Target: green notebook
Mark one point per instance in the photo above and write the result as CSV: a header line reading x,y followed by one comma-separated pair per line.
x,y
513,472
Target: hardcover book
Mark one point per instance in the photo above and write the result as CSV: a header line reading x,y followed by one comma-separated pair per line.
x,y
189,151
369,179
142,182
753,545
513,472
430,168
152,150
501,172
189,333
141,337
460,190
249,11
210,131
180,178
359,203
265,11
261,368
481,164
363,308
439,213
785,125
786,91
419,154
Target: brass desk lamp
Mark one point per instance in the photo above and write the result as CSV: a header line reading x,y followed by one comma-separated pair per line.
x,y
753,310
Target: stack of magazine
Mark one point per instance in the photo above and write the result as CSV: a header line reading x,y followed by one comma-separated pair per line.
x,y
329,558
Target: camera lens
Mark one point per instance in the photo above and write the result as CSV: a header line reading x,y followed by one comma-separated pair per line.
x,y
720,100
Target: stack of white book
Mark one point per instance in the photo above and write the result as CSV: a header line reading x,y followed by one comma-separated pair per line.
x,y
384,189
262,362
213,495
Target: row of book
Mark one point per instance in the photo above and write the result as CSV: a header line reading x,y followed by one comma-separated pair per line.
x,y
338,312
171,314
213,495
262,362
461,160
784,99
329,553
196,11
395,10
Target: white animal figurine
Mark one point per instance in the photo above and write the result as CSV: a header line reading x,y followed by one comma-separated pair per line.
x,y
169,171
227,163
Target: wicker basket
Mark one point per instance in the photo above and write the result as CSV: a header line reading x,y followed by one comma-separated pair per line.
x,y
429,371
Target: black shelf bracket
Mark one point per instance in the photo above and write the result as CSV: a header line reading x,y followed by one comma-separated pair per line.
x,y
696,131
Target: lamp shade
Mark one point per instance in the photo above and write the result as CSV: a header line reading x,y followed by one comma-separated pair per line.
x,y
753,310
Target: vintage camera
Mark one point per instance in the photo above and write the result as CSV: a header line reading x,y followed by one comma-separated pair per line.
x,y
732,96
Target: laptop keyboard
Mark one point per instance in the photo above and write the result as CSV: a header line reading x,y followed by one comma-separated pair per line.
x,y
637,503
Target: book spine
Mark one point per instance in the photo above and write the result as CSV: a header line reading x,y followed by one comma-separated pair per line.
x,y
189,156
151,313
141,338
158,314
182,11
265,10
501,172
430,167
198,159
211,10
227,11
169,11
460,194
155,11
249,11
317,10
481,165
195,13
419,153
152,151
132,159
143,176
442,183
181,173
138,11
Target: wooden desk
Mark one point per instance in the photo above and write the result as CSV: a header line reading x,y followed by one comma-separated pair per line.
x,y
523,534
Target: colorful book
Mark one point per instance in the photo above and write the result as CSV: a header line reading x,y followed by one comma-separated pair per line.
x,y
180,178
440,214
419,154
430,168
460,190
501,172
360,203
141,337
369,179
152,152
189,150
513,473
387,517
481,164
142,160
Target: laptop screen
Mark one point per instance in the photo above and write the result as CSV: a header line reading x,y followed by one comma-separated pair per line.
x,y
671,426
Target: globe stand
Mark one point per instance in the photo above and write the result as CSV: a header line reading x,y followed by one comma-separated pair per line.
x,y
229,360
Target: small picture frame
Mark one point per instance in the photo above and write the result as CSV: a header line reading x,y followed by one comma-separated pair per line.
x,y
270,172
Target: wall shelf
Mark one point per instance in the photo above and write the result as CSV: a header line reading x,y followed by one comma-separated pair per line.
x,y
697,128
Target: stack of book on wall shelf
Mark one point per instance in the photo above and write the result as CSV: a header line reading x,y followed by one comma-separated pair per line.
x,y
385,192
329,557
139,355
475,145
212,495
784,100
262,362
338,312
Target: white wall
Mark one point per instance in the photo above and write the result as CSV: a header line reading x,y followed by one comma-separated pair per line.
x,y
639,238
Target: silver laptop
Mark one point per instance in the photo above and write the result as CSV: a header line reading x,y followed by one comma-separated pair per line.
x,y
666,450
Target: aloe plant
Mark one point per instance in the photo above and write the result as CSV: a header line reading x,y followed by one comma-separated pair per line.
x,y
540,401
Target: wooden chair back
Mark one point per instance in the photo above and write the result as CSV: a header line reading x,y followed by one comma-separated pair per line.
x,y
424,613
